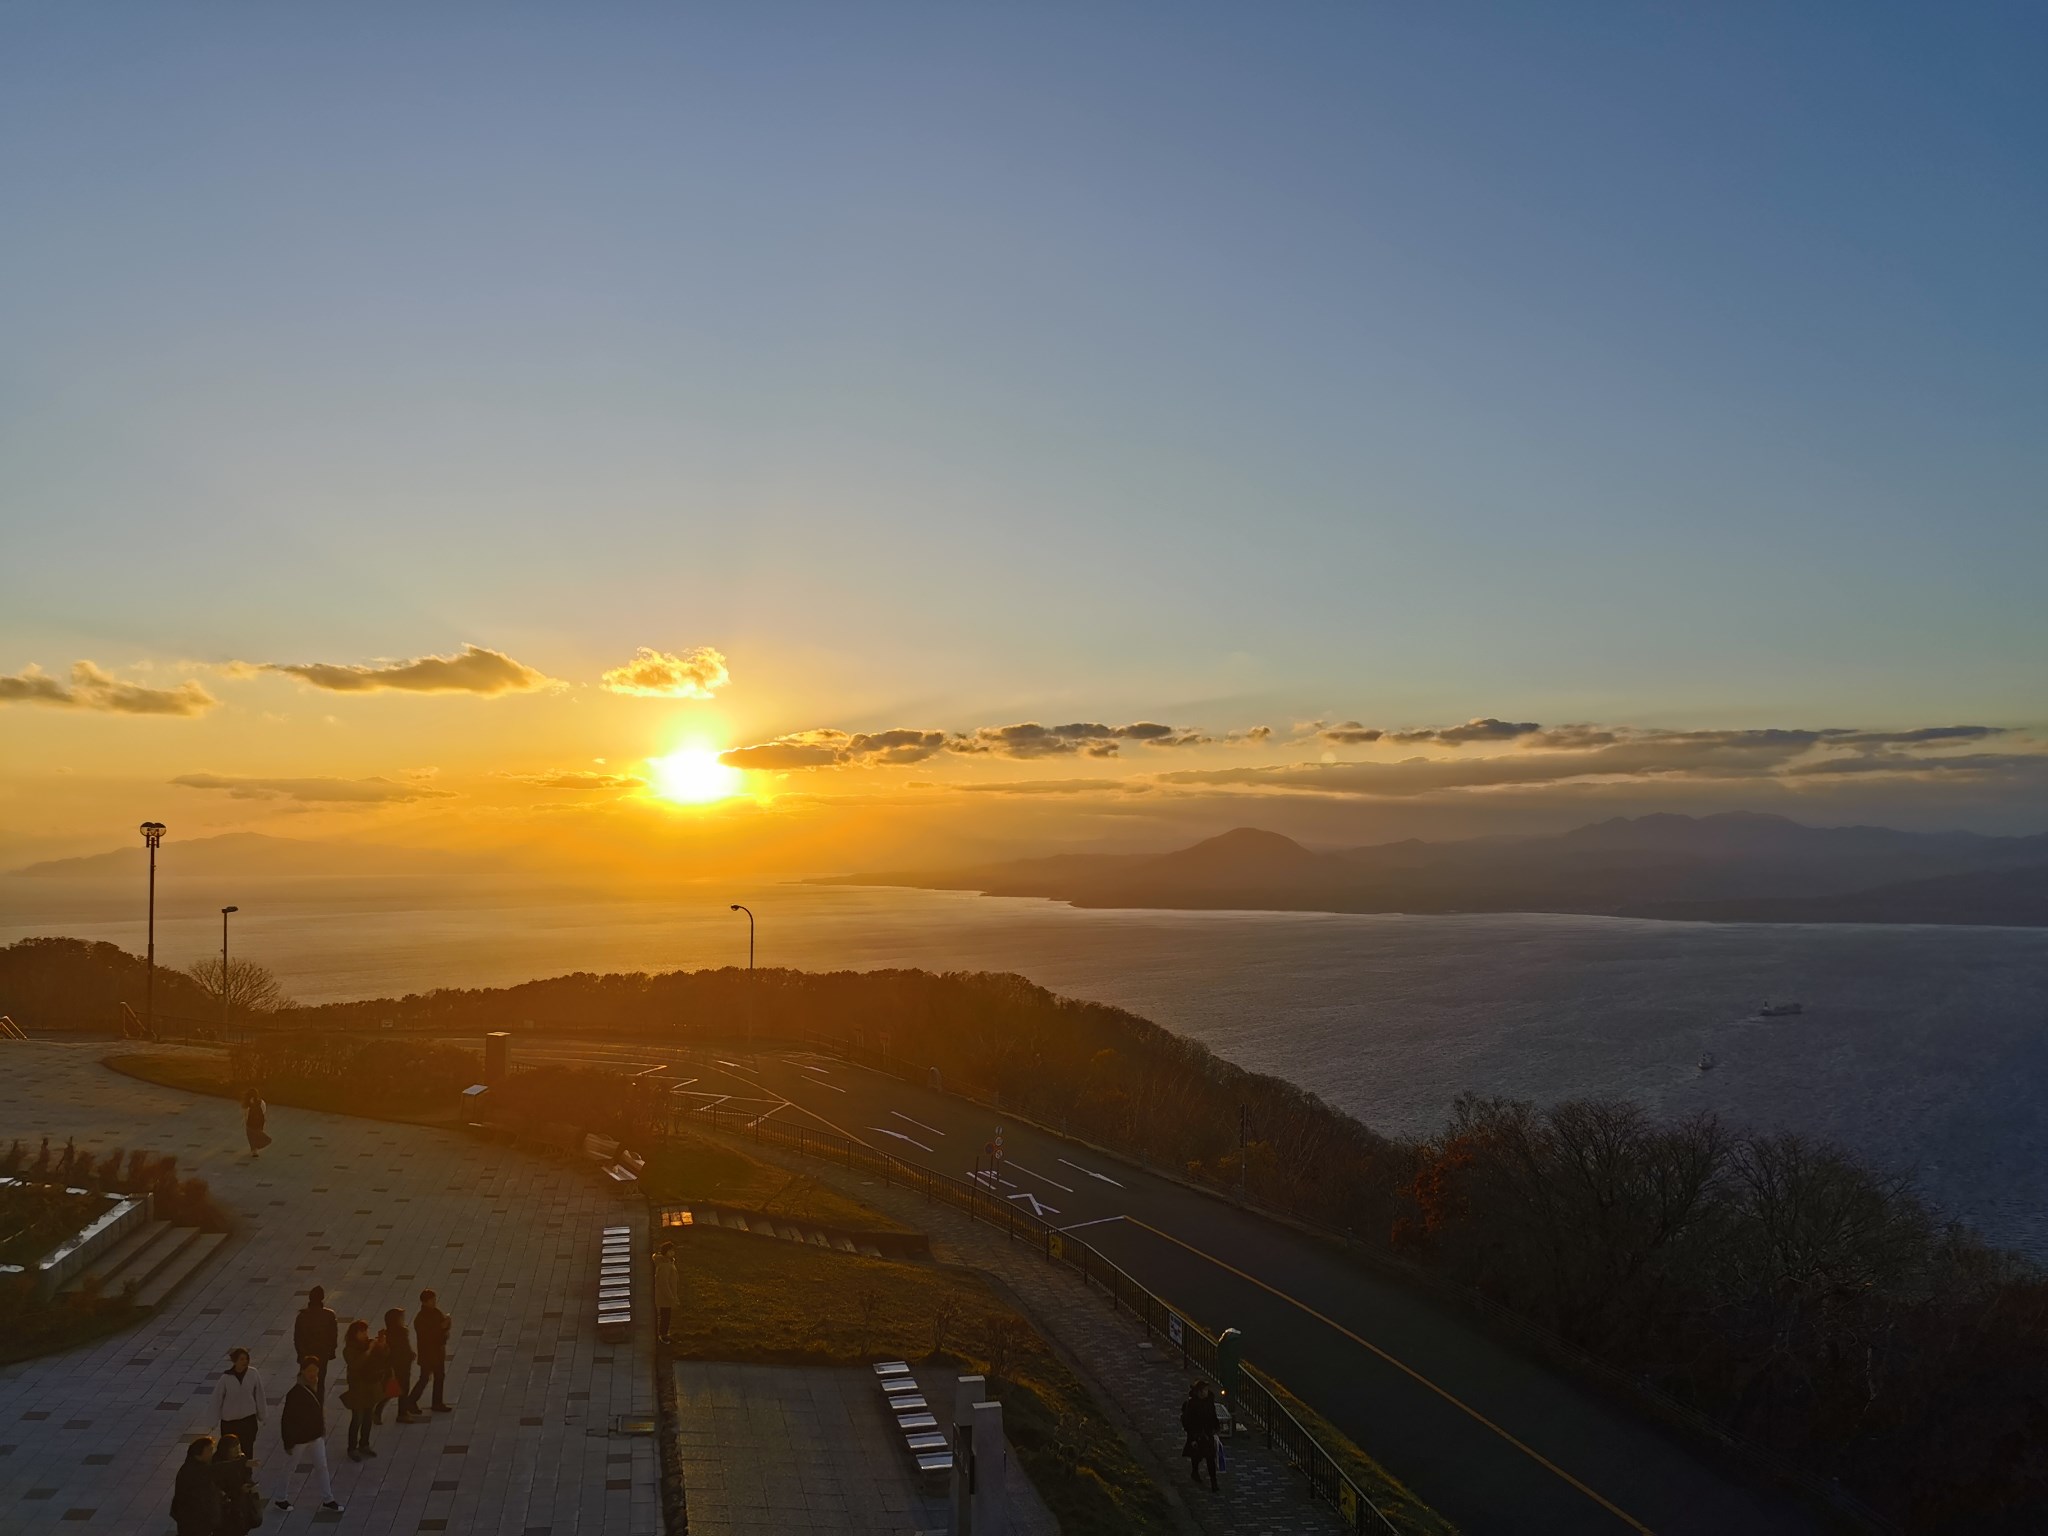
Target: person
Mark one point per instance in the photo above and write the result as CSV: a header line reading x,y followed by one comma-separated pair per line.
x,y
253,1121
195,1500
667,1289
365,1387
314,1331
1198,1422
235,1475
303,1422
238,1402
398,1358
433,1326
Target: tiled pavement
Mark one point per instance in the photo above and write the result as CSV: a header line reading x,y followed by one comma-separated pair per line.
x,y
1261,1495
785,1451
90,1440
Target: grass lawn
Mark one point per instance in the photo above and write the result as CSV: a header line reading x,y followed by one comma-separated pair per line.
x,y
778,1303
209,1074
1389,1494
691,1166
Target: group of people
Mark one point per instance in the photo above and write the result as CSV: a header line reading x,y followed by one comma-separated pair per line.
x,y
216,1493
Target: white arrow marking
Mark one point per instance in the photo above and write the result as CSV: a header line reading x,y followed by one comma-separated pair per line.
x,y
1038,1207
1055,1183
679,1087
988,1180
883,1130
714,1103
1090,1172
918,1123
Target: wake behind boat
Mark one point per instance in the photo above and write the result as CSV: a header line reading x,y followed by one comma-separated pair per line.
x,y
1772,1010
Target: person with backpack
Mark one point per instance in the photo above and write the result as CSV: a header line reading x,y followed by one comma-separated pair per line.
x,y
433,1326
195,1500
302,1423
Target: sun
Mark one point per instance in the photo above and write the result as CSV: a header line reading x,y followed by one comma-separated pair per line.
x,y
693,776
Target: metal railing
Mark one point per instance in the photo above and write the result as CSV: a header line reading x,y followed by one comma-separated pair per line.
x,y
1255,1403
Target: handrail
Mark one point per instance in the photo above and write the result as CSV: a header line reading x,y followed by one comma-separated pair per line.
x,y
1253,1403
9,1030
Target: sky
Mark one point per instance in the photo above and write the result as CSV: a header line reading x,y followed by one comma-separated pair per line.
x,y
1227,383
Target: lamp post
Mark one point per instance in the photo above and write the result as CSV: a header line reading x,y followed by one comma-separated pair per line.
x,y
750,971
152,834
224,911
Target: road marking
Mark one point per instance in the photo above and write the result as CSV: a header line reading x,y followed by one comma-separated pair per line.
x,y
766,1113
988,1180
679,1087
807,1067
734,1065
652,1070
1038,1207
713,1104
1090,1172
883,1130
1055,1183
1098,1221
833,1086
1409,1371
918,1123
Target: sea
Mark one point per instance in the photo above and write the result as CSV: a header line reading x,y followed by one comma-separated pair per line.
x,y
1924,1049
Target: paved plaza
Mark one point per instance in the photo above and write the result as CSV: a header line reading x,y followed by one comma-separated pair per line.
x,y
539,1443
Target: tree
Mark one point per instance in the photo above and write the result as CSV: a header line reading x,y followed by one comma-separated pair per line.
x,y
251,988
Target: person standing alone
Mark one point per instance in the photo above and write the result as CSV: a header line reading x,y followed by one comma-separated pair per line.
x,y
253,1121
667,1290
303,1423
1198,1423
238,1402
315,1332
432,1326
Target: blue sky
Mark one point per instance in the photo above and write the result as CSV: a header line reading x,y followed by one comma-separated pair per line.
x,y
1672,365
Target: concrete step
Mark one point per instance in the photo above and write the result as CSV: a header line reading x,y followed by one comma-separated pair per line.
x,y
145,1269
844,1245
193,1253
871,1250
736,1221
111,1262
817,1239
706,1218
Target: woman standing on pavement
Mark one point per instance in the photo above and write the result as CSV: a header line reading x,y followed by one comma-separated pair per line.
x,y
255,1114
195,1501
234,1474
365,1367
238,1401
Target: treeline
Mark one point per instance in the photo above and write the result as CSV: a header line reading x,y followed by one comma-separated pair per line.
x,y
61,983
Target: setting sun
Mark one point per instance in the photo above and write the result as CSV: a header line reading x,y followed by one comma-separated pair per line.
x,y
693,776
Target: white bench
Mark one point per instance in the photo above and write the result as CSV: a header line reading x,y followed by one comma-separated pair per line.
x,y
613,1160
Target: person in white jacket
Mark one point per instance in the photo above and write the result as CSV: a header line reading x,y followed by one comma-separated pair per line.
x,y
238,1401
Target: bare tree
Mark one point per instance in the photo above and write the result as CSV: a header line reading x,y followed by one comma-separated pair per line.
x,y
251,988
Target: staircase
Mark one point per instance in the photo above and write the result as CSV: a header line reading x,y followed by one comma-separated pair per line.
x,y
155,1258
788,1231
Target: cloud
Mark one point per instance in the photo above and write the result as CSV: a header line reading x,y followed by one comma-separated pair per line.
x,y
1257,736
1051,787
1488,729
315,791
474,670
578,778
1084,738
91,687
1348,733
652,674
829,748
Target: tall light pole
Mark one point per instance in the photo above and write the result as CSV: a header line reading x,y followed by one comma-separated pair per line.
x,y
224,911
152,834
750,971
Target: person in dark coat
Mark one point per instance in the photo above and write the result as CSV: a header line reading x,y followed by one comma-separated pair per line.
x,y
303,1422
1198,1422
365,1387
234,1474
253,1120
314,1332
195,1501
433,1326
398,1358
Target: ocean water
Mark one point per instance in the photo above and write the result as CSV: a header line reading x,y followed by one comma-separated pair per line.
x,y
1923,1048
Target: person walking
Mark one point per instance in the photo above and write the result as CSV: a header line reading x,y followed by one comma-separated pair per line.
x,y
241,1507
365,1391
314,1332
302,1422
1198,1422
432,1326
195,1499
238,1401
398,1358
667,1290
255,1114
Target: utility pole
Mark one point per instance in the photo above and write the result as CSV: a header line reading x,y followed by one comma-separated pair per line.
x,y
224,911
750,971
152,834
1244,1144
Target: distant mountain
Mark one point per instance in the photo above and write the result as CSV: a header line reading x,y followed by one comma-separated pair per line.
x,y
253,855
1736,866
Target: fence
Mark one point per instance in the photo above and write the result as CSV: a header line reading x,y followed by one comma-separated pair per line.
x,y
1254,1402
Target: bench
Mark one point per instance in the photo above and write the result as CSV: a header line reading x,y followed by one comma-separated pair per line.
x,y
613,1160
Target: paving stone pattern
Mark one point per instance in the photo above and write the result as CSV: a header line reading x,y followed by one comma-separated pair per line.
x,y
779,1449
1261,1495
91,1439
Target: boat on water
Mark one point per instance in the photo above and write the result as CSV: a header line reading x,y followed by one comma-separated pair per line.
x,y
1708,1061
1780,1010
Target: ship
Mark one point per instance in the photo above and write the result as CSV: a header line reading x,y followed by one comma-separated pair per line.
x,y
1780,1010
1708,1061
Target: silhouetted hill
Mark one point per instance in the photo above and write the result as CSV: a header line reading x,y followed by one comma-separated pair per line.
x,y
254,855
1739,866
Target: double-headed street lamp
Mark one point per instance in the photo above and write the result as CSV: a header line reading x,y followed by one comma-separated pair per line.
x,y
224,911
152,834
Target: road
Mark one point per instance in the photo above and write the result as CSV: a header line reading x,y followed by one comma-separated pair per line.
x,y
1496,1441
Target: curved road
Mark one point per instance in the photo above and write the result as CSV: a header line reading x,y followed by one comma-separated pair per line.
x,y
1496,1441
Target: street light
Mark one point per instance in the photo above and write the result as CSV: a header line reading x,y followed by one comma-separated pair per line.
x,y
152,834
224,911
750,971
